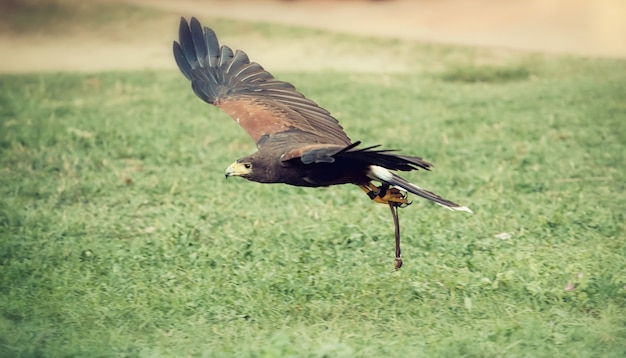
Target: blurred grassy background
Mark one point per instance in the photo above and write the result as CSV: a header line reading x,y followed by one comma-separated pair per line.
x,y
120,236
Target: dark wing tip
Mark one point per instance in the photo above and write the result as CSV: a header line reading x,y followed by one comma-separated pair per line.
x,y
197,36
181,61
186,42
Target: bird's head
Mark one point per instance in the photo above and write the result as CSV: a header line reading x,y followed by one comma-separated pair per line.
x,y
254,168
240,168
260,167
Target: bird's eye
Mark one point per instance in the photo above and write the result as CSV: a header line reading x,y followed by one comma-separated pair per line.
x,y
247,165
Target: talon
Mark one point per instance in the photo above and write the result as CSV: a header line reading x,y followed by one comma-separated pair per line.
x,y
393,196
386,195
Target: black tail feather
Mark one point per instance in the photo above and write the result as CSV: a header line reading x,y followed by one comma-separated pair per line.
x,y
383,158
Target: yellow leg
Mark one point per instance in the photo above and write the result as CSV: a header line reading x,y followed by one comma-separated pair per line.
x,y
385,195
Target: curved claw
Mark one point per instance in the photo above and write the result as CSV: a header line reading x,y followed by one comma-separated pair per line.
x,y
393,196
386,195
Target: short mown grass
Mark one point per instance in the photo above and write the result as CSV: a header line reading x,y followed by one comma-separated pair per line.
x,y
121,237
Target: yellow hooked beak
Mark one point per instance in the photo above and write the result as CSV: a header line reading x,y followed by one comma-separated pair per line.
x,y
237,169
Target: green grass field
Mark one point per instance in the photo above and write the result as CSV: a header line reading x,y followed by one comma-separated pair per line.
x,y
121,237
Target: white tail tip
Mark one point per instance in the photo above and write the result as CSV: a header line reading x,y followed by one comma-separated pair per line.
x,y
457,208
462,208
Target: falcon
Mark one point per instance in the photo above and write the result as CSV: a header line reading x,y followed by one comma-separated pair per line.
x,y
298,142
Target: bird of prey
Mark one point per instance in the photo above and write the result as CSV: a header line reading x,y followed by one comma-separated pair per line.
x,y
298,142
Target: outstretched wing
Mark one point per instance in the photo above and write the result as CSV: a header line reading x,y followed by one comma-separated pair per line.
x,y
260,104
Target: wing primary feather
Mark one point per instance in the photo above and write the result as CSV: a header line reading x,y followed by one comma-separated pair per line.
x,y
186,43
198,39
213,46
226,54
181,61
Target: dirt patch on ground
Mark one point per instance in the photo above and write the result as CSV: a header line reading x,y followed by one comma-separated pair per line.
x,y
588,28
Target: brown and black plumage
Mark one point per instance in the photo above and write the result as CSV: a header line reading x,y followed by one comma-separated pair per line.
x,y
298,142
